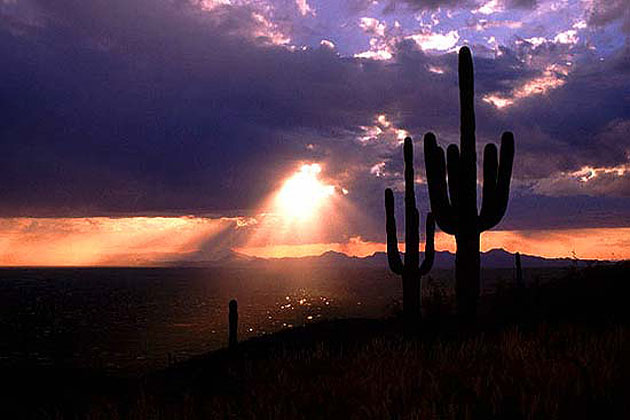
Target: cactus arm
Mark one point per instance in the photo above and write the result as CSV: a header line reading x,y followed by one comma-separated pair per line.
x,y
505,173
412,238
452,167
429,249
502,192
490,169
393,256
436,180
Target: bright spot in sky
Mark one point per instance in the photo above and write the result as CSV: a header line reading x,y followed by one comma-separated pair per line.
x,y
303,194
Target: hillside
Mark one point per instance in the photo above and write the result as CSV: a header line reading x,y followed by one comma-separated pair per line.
x,y
554,351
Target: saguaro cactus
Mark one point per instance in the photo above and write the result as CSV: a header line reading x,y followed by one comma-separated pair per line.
x,y
458,216
232,324
411,270
519,270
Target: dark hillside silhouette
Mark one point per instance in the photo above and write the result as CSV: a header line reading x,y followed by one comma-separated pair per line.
x,y
561,354
455,211
411,271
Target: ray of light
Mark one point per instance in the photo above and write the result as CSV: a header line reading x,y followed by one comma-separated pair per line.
x,y
102,240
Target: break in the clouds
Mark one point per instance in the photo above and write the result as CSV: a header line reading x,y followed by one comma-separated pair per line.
x,y
204,107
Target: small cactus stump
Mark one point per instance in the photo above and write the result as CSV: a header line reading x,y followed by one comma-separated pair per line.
x,y
519,271
233,324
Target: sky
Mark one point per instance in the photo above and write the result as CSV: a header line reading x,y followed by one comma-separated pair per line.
x,y
145,131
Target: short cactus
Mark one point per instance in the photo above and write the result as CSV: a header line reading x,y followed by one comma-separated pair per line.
x,y
458,216
233,324
519,270
411,271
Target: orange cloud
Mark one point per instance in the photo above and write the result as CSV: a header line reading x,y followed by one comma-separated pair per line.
x,y
103,241
131,241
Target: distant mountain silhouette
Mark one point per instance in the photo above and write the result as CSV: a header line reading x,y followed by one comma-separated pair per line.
x,y
226,257
495,258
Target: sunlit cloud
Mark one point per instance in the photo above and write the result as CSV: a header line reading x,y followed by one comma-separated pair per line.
x,y
378,169
328,44
566,37
587,173
435,69
379,50
370,132
490,7
384,131
427,40
553,77
155,241
208,5
260,26
372,26
536,40
485,24
304,8
588,180
267,30
104,241
600,243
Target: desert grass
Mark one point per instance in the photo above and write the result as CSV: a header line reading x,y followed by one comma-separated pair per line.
x,y
552,372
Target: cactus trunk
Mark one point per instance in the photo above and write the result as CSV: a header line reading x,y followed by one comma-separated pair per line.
x,y
454,200
467,275
411,297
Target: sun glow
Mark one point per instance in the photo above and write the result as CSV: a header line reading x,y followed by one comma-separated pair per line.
x,y
303,194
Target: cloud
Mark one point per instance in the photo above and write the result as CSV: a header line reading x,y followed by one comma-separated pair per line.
x,y
138,107
484,7
604,12
304,8
435,41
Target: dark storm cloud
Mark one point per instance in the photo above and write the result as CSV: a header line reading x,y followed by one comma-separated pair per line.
x,y
164,112
603,12
469,4
581,123
125,107
119,113
522,4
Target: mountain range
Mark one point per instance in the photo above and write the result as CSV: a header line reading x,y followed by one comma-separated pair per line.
x,y
495,258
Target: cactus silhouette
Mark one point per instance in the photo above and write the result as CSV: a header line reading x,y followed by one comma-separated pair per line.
x,y
519,270
233,324
454,204
411,271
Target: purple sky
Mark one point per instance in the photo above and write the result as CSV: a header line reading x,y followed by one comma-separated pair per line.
x,y
127,107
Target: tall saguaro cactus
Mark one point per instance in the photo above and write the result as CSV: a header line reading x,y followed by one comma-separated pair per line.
x,y
454,204
411,270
